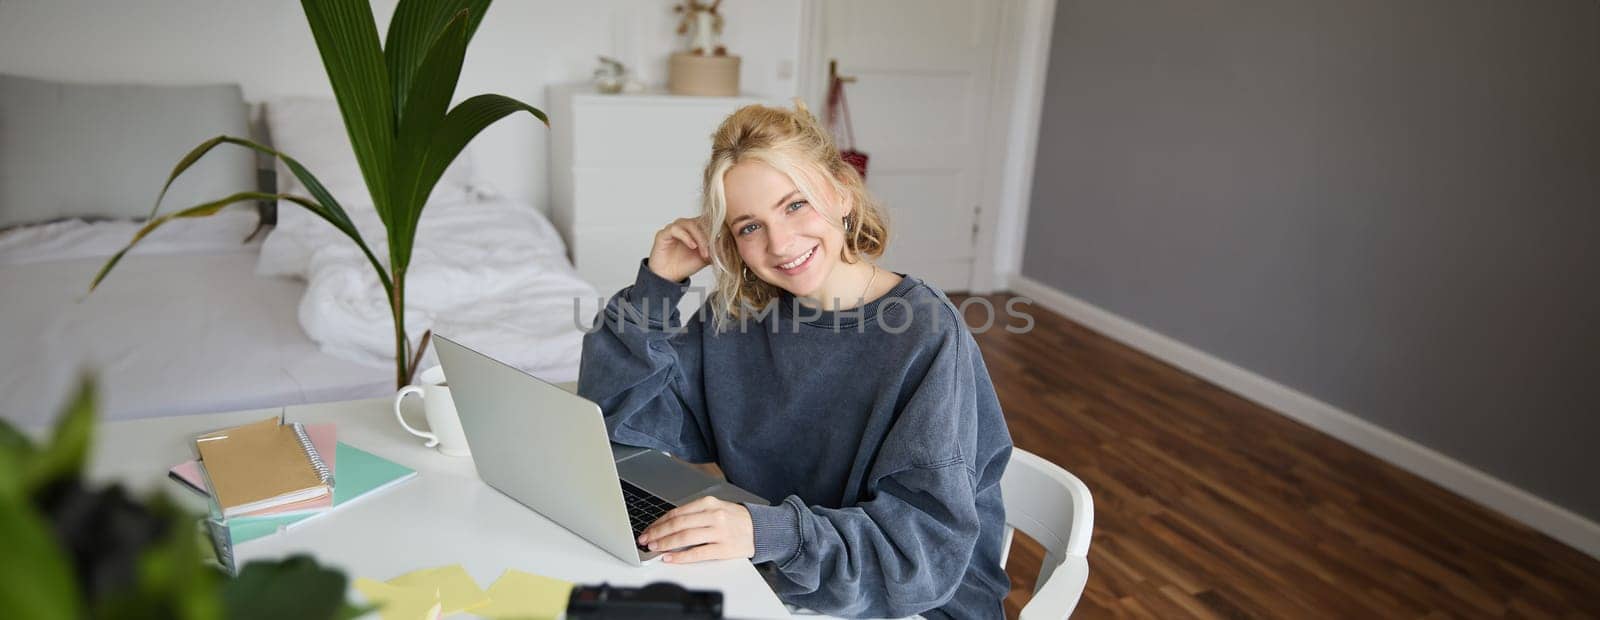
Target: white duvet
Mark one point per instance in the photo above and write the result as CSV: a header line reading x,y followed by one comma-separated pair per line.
x,y
492,275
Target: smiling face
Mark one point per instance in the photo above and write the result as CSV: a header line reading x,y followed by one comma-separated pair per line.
x,y
782,237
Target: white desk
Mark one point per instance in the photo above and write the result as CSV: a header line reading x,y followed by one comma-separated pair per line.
x,y
445,515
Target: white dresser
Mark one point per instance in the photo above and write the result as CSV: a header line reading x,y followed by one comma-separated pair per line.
x,y
622,167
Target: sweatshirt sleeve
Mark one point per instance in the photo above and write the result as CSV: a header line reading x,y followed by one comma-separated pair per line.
x,y
905,549
642,366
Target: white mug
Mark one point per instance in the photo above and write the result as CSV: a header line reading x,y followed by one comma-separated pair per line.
x,y
440,410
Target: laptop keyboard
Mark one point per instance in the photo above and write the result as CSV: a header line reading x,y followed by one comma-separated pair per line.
x,y
643,508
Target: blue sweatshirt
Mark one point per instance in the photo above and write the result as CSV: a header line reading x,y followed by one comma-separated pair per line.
x,y
875,432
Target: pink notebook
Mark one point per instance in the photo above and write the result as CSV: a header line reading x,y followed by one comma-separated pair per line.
x,y
323,436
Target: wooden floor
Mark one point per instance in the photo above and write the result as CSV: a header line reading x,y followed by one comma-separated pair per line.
x,y
1208,505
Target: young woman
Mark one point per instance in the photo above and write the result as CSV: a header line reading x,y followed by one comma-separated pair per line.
x,y
853,397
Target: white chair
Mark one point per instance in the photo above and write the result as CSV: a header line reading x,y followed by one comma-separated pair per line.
x,y
1053,507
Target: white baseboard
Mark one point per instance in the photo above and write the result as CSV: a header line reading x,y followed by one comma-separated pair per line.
x,y
1555,521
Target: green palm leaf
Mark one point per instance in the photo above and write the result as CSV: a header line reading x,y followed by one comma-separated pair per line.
x,y
347,38
460,126
325,206
208,209
188,160
424,111
200,210
412,31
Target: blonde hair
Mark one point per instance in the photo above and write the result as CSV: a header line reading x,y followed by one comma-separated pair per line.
x,y
795,144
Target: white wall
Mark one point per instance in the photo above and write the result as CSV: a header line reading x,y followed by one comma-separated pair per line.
x,y
265,46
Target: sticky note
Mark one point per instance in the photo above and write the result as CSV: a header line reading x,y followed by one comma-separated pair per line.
x,y
457,591
524,595
395,603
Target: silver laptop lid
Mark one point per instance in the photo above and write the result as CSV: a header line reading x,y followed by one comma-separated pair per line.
x,y
539,444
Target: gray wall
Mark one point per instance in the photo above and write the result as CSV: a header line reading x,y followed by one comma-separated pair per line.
x,y
1392,206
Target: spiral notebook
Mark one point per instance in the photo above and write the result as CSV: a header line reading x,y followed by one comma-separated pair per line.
x,y
361,474
262,465
324,436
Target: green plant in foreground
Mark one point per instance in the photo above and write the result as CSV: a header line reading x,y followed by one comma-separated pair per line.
x,y
395,102
72,550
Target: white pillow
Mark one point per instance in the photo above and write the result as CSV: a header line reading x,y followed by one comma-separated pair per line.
x,y
103,150
311,130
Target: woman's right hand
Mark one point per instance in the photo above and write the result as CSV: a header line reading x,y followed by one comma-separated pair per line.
x,y
681,249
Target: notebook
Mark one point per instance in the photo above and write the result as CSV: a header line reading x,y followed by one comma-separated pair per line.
x,y
262,465
323,436
361,474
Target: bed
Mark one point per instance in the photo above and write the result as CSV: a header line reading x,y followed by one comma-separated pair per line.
x,y
187,331
195,320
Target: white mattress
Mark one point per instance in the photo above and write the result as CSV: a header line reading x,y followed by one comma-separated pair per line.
x,y
166,335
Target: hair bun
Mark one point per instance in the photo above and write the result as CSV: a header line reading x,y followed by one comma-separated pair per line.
x,y
800,106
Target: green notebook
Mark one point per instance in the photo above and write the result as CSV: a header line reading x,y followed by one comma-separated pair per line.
x,y
359,474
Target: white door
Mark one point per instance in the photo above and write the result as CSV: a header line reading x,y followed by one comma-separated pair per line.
x,y
920,105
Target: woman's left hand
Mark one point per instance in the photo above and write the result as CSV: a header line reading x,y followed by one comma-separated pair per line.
x,y
721,529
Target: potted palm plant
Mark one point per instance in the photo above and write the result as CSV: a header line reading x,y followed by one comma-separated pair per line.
x,y
395,100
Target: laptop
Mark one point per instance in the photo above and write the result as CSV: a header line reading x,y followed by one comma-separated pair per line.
x,y
548,449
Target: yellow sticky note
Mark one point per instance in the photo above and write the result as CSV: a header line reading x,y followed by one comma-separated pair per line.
x,y
396,603
524,595
457,591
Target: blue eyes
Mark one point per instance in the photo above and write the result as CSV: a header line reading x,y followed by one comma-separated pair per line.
x,y
752,227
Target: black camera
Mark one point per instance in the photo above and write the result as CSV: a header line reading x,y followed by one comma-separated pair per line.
x,y
656,600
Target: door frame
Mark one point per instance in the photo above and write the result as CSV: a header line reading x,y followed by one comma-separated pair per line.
x,y
1022,55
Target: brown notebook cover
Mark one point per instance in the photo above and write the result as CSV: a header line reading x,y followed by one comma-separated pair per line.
x,y
257,466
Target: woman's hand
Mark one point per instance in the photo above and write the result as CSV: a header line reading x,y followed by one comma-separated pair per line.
x,y
721,529
681,249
